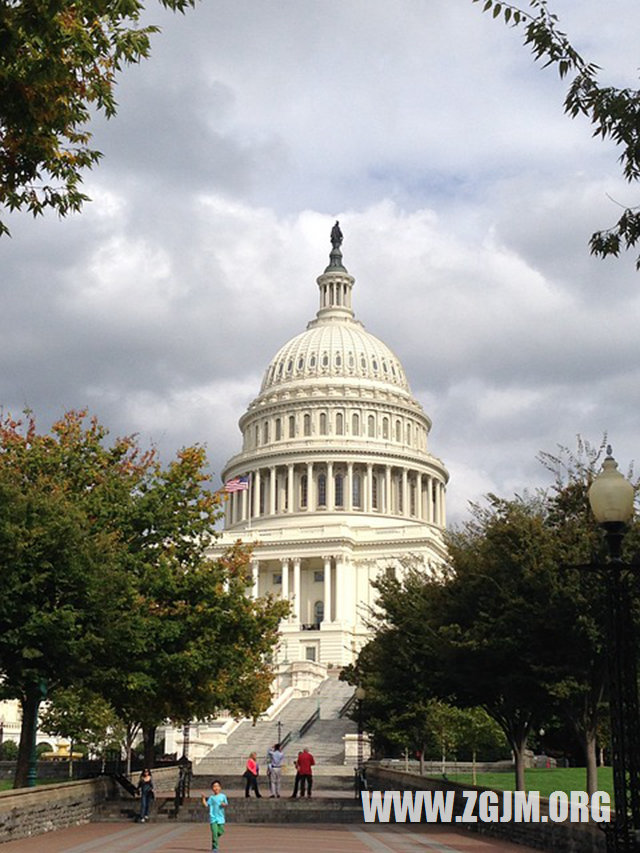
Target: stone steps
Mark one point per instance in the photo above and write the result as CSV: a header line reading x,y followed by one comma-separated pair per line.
x,y
320,809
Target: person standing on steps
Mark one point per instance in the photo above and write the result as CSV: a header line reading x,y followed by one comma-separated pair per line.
x,y
276,760
145,786
216,803
251,775
305,763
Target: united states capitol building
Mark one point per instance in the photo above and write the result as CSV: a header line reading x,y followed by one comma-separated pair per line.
x,y
341,482
334,484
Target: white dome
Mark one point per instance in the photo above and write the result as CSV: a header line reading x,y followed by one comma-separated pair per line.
x,y
334,349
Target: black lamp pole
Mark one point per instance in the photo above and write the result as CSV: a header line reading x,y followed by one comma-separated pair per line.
x,y
611,498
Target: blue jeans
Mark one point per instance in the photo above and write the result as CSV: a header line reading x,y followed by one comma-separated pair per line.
x,y
145,802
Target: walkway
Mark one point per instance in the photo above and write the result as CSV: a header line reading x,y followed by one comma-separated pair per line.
x,y
271,838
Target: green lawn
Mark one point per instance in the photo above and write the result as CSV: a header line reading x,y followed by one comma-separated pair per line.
x,y
541,779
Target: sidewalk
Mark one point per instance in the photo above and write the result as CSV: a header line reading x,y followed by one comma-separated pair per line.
x,y
271,838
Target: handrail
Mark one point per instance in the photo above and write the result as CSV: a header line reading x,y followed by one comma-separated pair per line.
x,y
348,705
285,740
304,728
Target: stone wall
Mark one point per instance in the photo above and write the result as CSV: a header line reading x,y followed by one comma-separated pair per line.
x,y
555,837
33,811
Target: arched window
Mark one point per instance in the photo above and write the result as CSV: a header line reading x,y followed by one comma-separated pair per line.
x,y
304,497
408,433
339,483
257,436
357,491
323,423
318,612
322,489
307,424
278,429
398,431
355,424
265,432
371,426
339,424
292,426
385,428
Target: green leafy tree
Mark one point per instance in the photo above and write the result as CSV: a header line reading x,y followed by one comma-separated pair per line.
x,y
198,642
64,587
479,733
60,63
613,112
83,718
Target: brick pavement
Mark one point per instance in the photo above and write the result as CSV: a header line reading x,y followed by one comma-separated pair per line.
x,y
266,838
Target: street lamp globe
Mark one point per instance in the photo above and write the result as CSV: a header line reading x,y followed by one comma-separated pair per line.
x,y
611,495
360,693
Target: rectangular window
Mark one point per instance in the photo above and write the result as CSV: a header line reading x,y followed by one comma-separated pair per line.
x,y
277,578
310,653
318,576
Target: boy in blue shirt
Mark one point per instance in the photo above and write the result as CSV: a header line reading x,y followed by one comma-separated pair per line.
x,y
216,804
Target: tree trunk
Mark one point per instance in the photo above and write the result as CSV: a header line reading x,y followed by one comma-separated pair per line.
x,y
422,760
29,704
149,738
592,766
518,753
474,775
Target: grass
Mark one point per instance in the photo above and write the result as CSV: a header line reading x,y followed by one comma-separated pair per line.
x,y
540,779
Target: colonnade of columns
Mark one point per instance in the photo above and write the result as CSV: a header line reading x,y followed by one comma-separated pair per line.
x,y
338,589
342,486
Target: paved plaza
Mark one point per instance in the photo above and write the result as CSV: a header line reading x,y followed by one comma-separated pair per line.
x,y
266,838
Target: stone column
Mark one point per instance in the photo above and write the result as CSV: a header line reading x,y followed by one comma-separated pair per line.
x,y
310,486
327,589
272,490
405,493
291,505
368,488
285,579
296,590
255,578
256,494
388,506
340,588
243,511
443,510
429,497
419,498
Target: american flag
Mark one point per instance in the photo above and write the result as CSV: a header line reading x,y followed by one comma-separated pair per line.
x,y
238,484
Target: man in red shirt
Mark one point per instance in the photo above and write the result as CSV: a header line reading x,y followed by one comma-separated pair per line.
x,y
305,763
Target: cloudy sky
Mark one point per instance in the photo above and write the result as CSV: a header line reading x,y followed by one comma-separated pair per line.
x,y
465,195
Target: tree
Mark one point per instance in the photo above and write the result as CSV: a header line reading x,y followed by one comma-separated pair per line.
x,y
198,642
82,717
613,112
60,63
64,587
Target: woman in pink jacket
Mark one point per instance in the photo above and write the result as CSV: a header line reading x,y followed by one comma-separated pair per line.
x,y
251,775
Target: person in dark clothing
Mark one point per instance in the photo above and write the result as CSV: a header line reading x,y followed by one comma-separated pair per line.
x,y
145,786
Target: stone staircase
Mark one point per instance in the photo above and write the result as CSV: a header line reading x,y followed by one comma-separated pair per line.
x,y
323,730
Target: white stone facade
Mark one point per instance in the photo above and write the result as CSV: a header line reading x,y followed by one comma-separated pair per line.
x,y
342,484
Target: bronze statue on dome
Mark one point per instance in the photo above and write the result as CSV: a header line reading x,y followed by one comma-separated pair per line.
x,y
336,236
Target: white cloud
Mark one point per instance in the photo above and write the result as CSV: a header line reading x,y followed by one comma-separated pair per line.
x,y
466,197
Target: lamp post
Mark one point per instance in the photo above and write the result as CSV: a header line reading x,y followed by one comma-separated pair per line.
x,y
611,499
360,695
